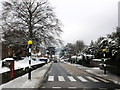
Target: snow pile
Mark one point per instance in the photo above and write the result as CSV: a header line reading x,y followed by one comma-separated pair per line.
x,y
4,69
20,64
73,56
96,59
80,57
25,63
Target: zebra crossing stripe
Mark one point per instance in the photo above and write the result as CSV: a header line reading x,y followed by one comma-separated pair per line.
x,y
72,87
71,78
56,87
82,79
51,78
61,78
102,79
92,79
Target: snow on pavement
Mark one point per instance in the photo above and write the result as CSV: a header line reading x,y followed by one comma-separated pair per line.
x,y
21,64
23,82
4,69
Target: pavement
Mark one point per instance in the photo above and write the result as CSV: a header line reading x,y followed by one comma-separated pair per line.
x,y
100,73
37,77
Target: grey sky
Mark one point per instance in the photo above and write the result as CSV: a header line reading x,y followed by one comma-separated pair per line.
x,y
86,19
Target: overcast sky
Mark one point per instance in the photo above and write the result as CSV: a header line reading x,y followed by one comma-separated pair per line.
x,y
86,19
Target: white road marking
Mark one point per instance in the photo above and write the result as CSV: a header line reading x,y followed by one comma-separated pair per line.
x,y
82,79
72,87
92,79
103,88
70,73
56,87
67,70
61,78
71,78
89,71
102,79
51,78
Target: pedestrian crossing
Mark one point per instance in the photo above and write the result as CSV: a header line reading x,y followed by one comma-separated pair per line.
x,y
77,78
82,79
61,78
51,78
71,78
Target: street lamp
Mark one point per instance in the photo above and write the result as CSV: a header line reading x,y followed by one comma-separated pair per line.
x,y
29,46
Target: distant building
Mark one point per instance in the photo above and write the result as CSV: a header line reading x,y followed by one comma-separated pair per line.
x,y
119,14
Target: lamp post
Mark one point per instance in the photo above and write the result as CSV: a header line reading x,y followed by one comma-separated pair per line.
x,y
29,46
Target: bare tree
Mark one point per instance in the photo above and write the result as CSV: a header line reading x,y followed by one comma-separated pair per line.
x,y
79,46
30,19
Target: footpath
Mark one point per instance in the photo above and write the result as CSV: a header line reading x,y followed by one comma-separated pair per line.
x,y
37,77
100,73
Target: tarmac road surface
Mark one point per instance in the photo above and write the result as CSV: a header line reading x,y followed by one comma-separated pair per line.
x,y
0,79
62,75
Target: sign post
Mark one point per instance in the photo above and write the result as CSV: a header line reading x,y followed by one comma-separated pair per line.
x,y
29,46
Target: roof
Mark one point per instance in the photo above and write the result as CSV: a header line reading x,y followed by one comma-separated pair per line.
x,y
8,59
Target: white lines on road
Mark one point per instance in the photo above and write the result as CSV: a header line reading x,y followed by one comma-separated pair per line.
x,y
68,71
72,87
56,87
51,78
42,87
89,71
102,79
82,79
71,78
92,79
61,78
103,88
